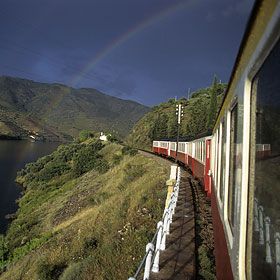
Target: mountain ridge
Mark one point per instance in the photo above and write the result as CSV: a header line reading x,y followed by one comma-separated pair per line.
x,y
59,112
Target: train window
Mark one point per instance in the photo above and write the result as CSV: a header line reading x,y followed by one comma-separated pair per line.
x,y
263,254
223,160
217,157
234,165
204,151
199,150
212,158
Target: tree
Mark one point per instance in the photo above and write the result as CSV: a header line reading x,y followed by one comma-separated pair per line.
x,y
85,134
172,125
212,112
160,127
3,249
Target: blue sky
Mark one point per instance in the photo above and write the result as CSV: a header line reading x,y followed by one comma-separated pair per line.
x,y
143,50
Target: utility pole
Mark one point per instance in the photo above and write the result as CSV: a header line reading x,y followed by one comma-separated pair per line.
x,y
189,90
179,113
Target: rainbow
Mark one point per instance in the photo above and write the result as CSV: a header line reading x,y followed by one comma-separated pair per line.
x,y
116,42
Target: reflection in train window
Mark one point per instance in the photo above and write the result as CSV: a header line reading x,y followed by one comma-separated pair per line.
x,y
223,160
204,151
213,152
264,236
234,165
217,157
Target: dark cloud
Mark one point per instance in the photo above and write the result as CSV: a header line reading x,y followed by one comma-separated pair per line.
x,y
165,50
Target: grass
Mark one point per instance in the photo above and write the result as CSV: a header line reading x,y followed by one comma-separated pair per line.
x,y
94,226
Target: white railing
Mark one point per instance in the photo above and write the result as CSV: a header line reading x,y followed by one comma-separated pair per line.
x,y
269,237
150,261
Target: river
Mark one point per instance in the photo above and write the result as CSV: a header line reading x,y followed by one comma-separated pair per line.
x,y
13,156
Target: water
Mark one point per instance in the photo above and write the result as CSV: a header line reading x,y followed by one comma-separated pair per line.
x,y
13,156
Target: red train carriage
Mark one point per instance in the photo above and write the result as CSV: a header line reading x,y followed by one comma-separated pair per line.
x,y
156,147
161,148
182,155
172,150
195,155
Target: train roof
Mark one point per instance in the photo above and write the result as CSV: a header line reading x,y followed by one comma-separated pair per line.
x,y
187,139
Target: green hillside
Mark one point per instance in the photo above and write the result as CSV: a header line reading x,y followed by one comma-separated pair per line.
x,y
87,212
161,122
59,112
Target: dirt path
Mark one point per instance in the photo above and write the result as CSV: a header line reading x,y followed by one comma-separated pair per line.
x,y
190,247
178,260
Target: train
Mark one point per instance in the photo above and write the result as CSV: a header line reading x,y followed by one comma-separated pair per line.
x,y
239,163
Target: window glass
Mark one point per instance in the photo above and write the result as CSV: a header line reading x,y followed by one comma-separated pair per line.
x,y
204,151
217,157
223,160
234,165
264,233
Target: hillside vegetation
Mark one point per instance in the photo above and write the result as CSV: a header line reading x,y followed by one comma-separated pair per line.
x,y
58,112
200,112
87,212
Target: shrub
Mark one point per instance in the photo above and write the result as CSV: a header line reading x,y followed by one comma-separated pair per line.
x,y
90,244
3,250
49,271
129,151
66,153
117,158
88,158
102,165
72,272
113,138
85,134
53,169
29,246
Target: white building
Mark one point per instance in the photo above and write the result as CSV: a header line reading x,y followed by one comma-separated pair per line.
x,y
103,137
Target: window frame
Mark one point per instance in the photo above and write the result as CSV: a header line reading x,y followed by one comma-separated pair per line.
x,y
219,165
